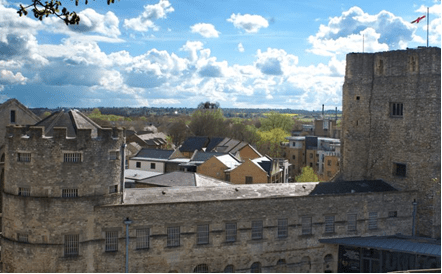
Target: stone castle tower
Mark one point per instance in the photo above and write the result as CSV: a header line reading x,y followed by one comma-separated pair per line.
x,y
392,125
55,173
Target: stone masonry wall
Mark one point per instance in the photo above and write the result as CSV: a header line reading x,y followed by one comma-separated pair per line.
x,y
43,215
301,253
373,141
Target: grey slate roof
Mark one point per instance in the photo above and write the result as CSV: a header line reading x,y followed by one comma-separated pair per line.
x,y
194,143
152,153
352,187
72,120
253,191
201,156
396,243
213,143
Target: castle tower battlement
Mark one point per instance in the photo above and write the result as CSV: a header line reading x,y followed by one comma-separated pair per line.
x,y
54,178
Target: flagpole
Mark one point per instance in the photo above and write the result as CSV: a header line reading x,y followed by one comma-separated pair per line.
x,y
428,23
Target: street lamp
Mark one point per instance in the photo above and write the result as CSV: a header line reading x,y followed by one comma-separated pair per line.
x,y
127,222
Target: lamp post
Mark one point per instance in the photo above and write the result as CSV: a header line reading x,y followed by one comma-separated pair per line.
x,y
127,222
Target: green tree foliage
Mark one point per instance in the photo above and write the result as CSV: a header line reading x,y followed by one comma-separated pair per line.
x,y
178,131
52,7
270,142
207,122
277,120
307,175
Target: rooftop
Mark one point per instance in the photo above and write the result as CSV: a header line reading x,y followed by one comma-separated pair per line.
x,y
181,179
253,191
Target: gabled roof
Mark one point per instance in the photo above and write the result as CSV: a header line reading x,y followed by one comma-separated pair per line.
x,y
194,143
264,163
72,120
213,143
17,103
152,153
201,156
228,160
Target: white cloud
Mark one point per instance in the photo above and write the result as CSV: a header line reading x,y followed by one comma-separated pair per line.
x,y
205,30
165,102
240,47
8,77
249,23
343,34
275,61
147,19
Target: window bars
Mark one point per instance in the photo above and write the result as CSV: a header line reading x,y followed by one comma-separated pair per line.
x,y
71,245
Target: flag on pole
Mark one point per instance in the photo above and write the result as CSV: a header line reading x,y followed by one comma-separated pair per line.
x,y
418,19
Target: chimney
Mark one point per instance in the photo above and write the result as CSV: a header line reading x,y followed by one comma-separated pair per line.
x,y
336,117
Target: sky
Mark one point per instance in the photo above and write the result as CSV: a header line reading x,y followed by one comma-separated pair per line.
x,y
178,53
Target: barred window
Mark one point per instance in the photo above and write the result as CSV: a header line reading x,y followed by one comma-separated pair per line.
x,y
282,228
173,236
69,192
111,242
71,245
229,269
138,164
396,109
113,189
329,224
201,268
351,222
143,238
24,157
257,228
22,238
231,232
202,234
152,165
306,225
392,214
72,157
372,220
24,191
249,180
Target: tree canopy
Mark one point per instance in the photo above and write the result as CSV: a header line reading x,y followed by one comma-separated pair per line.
x,y
307,175
52,7
207,122
277,120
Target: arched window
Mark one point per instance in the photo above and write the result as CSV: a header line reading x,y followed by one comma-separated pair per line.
x,y
201,268
328,263
255,268
229,269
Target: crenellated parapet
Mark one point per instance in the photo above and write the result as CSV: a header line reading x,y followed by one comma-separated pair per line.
x,y
60,133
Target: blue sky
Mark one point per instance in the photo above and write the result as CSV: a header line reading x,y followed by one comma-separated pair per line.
x,y
178,53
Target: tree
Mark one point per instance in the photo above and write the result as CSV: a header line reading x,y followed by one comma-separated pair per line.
x,y
207,122
307,175
277,120
270,142
52,7
178,131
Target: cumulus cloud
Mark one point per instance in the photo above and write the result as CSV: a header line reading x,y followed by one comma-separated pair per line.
x,y
8,77
384,31
249,23
205,30
147,19
275,61
91,21
240,47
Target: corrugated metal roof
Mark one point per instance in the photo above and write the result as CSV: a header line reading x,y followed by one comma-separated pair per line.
x,y
422,246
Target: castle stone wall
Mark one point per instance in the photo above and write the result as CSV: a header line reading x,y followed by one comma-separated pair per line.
x,y
374,142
